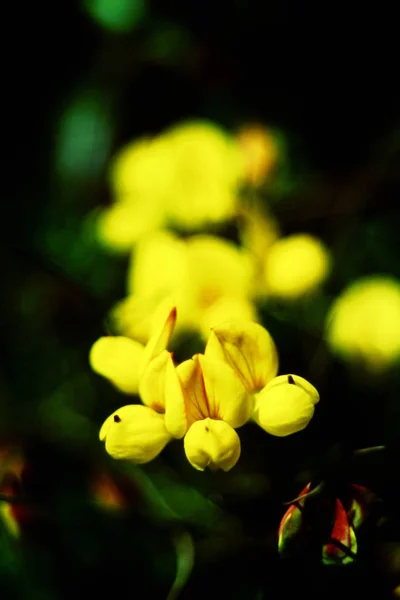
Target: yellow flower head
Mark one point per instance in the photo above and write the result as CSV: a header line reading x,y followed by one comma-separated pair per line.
x,y
363,323
208,167
188,175
215,402
209,279
216,270
295,265
285,405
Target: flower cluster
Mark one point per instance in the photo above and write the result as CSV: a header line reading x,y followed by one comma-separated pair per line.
x,y
169,192
202,400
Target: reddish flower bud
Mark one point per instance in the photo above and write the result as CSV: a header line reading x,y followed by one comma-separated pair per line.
x,y
341,548
292,521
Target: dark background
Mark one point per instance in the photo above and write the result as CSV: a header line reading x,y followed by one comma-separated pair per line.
x,y
328,78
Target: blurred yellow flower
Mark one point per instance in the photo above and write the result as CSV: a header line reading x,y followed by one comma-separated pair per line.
x,y
208,168
282,405
216,402
363,324
260,150
295,266
188,176
122,224
209,279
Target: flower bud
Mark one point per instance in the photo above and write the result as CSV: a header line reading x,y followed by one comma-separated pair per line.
x,y
212,443
292,522
341,548
285,405
134,432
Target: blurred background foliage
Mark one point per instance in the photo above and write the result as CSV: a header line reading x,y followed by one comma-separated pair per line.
x,y
83,80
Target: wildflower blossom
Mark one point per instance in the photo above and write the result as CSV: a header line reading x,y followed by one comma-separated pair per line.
x,y
187,176
363,324
207,278
282,405
216,403
294,266
140,432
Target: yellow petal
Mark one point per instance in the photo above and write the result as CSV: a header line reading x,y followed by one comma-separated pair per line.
x,y
141,170
226,309
300,382
215,269
135,433
214,444
122,224
161,336
286,405
175,412
139,317
295,265
120,360
208,167
152,383
160,389
248,348
194,392
158,265
227,398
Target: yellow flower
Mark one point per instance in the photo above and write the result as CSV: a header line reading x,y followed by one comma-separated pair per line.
x,y
135,433
285,405
295,266
139,433
189,175
122,224
209,279
363,324
208,170
140,176
282,405
215,404
122,360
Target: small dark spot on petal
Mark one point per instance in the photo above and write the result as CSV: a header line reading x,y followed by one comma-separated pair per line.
x,y
206,428
291,380
117,419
